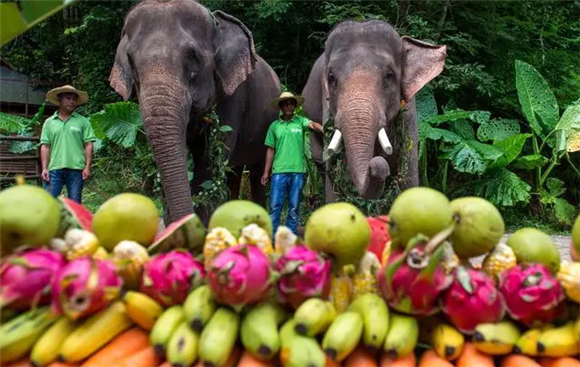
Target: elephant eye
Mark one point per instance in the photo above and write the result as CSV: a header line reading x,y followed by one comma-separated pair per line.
x,y
331,78
389,76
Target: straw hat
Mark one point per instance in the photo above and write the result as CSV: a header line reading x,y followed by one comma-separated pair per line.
x,y
285,96
52,95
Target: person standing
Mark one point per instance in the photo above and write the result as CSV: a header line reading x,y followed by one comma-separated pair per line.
x,y
66,149
285,158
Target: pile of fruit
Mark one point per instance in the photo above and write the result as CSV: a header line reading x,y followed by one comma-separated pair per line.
x,y
400,290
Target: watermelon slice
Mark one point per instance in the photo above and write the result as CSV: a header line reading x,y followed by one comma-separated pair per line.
x,y
379,234
73,215
186,233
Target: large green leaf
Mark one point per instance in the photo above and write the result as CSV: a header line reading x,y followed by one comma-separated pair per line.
x,y
12,123
120,122
565,212
568,127
477,116
555,187
511,147
537,100
530,162
463,128
21,147
504,188
470,156
498,129
427,131
426,105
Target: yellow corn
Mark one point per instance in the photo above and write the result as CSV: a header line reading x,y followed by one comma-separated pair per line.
x,y
253,234
365,278
101,254
340,291
130,258
217,240
569,277
386,253
284,239
501,258
79,243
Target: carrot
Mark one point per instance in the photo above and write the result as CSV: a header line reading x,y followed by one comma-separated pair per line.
x,y
331,362
471,357
122,346
360,357
61,364
24,362
166,364
407,361
431,359
559,362
516,360
144,358
248,360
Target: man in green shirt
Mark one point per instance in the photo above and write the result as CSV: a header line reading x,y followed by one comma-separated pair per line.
x,y
66,149
285,157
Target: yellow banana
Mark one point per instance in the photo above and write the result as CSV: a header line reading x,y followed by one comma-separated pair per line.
x,y
218,337
46,349
528,342
95,332
343,335
142,309
164,327
183,345
560,341
402,336
314,316
199,307
447,341
18,335
298,350
375,314
496,339
259,330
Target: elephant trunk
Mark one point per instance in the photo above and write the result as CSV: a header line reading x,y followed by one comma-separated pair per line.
x,y
164,108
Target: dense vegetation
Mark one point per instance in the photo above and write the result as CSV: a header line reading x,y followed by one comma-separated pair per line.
x,y
499,122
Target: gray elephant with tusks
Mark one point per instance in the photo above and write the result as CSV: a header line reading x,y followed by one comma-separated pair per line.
x,y
181,59
366,74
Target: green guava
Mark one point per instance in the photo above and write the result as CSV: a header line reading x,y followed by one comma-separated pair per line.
x,y
531,245
338,229
234,215
29,216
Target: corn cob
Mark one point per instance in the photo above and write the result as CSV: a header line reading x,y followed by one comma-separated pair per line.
x,y
365,278
340,291
501,258
216,240
386,253
284,239
130,257
255,235
79,243
569,277
101,254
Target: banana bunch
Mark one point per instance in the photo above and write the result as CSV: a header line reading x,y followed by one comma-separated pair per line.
x,y
314,316
496,338
47,348
447,341
142,309
259,330
299,350
375,315
402,336
343,335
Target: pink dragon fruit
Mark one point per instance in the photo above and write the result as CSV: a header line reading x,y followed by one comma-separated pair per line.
x,y
85,286
240,275
415,278
303,274
532,294
471,299
168,278
26,276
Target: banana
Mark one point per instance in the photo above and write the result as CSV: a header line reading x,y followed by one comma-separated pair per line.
x,y
19,334
375,314
94,332
46,349
259,330
528,342
199,307
560,341
218,337
142,309
402,336
314,316
182,347
496,339
298,350
165,326
343,335
447,341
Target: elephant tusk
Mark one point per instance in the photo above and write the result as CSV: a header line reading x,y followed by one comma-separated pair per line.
x,y
334,142
384,141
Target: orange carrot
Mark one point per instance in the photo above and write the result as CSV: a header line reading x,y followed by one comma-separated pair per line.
x,y
559,362
248,360
360,357
471,357
407,361
61,364
516,360
165,364
144,358
431,359
331,362
122,346
24,362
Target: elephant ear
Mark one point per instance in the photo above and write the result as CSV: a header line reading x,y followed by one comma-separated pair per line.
x,y
421,63
121,77
235,56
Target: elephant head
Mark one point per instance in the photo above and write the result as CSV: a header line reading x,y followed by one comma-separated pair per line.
x,y
367,72
178,56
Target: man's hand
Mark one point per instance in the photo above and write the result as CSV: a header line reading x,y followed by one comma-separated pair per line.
x,y
86,173
264,179
45,175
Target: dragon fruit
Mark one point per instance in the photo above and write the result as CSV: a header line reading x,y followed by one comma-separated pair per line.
x,y
85,286
168,278
240,275
415,277
303,274
379,234
472,299
532,294
26,276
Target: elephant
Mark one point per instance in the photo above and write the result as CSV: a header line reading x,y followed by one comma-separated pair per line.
x,y
180,59
365,77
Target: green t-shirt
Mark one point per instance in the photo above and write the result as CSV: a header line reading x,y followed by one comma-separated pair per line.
x,y
67,140
287,138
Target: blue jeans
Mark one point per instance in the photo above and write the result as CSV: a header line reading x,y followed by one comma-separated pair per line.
x,y
72,178
286,185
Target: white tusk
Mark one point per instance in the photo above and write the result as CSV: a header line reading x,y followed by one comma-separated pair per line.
x,y
384,141
334,142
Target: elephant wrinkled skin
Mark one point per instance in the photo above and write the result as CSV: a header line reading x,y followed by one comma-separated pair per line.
x,y
366,73
180,59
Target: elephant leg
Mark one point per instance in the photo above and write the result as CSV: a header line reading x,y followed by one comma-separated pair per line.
x,y
410,118
329,194
258,190
234,181
201,173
